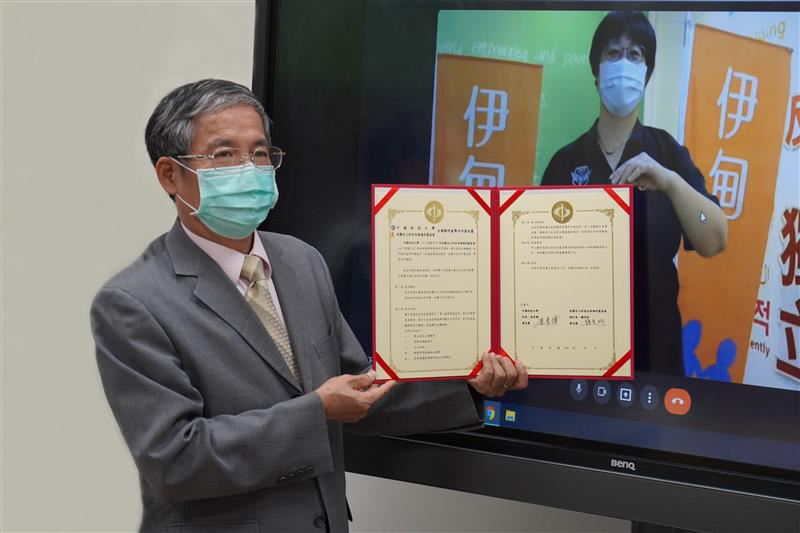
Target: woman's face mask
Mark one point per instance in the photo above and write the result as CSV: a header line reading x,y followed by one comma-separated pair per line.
x,y
621,85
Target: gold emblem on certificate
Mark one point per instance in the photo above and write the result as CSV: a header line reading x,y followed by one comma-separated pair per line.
x,y
434,212
562,212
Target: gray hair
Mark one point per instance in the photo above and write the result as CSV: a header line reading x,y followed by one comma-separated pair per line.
x,y
169,129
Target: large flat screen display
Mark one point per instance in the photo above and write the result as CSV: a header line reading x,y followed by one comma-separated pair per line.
x,y
465,93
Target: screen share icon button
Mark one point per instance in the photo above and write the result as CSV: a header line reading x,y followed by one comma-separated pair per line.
x,y
625,394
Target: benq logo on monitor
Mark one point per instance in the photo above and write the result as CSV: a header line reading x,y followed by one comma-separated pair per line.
x,y
627,465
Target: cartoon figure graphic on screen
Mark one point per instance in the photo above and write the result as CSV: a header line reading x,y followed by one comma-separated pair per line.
x,y
693,368
726,355
671,202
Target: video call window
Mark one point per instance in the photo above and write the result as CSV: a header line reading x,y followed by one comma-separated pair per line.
x,y
516,98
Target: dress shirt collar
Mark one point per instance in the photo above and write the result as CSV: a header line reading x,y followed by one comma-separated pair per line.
x,y
228,259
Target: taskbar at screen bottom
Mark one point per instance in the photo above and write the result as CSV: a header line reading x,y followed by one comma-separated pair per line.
x,y
740,463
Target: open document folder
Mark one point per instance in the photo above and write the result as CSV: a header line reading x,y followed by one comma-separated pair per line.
x,y
541,274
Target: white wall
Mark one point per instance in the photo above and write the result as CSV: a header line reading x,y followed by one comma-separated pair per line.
x,y
80,201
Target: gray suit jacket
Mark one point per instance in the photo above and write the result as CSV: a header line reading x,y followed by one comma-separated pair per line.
x,y
223,437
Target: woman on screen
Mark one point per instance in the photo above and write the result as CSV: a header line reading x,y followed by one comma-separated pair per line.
x,y
670,200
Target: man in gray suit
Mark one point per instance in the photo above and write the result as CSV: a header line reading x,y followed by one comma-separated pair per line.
x,y
222,351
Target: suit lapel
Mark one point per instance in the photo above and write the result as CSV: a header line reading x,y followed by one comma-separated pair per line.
x,y
285,278
216,291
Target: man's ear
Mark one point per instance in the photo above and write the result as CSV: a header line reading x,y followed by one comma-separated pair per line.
x,y
167,171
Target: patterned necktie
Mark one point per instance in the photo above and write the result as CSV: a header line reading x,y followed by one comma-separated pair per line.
x,y
260,299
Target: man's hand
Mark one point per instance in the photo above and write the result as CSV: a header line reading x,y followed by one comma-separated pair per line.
x,y
348,398
498,375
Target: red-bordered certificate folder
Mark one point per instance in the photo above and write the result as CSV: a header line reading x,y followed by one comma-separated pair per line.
x,y
540,274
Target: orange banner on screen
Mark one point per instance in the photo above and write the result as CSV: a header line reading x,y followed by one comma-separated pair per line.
x,y
735,114
486,118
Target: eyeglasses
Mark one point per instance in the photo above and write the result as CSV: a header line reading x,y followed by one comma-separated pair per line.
x,y
614,53
231,157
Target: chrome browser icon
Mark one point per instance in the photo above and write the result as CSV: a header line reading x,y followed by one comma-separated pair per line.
x,y
491,414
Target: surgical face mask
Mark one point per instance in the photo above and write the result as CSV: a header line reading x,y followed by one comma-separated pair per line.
x,y
621,85
234,200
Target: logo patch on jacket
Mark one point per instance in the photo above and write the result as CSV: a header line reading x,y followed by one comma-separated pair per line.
x,y
580,176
